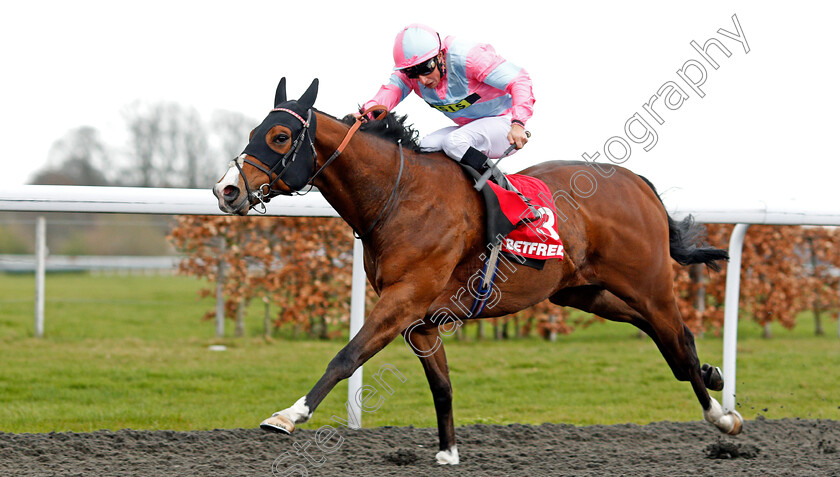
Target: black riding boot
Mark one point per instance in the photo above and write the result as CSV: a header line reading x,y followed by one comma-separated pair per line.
x,y
479,161
475,159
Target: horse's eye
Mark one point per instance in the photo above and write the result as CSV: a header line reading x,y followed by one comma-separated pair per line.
x,y
280,138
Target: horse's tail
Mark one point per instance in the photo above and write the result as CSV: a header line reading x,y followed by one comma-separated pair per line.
x,y
687,240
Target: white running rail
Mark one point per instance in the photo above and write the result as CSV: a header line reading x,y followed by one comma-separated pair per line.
x,y
705,209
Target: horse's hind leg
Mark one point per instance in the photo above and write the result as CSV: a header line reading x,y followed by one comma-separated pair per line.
x,y
676,343
711,375
661,320
425,341
606,305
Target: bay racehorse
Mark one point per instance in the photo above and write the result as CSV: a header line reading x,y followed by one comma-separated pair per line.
x,y
422,226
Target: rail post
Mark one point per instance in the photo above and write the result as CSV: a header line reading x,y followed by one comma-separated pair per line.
x,y
220,291
357,319
730,314
40,268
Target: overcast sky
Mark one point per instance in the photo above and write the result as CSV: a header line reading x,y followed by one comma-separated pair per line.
x,y
765,127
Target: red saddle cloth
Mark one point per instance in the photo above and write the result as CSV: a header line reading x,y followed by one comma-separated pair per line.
x,y
537,239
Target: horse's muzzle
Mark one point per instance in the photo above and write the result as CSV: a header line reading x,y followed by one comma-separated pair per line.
x,y
231,199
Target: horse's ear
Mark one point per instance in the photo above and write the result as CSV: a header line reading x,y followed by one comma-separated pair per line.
x,y
308,99
280,95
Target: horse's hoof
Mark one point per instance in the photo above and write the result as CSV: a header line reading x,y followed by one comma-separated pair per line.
x,y
738,424
712,377
278,423
448,457
730,423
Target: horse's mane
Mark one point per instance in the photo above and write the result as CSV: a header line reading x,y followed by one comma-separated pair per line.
x,y
392,128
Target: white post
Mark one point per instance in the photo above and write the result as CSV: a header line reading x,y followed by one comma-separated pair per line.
x,y
40,267
730,314
220,295
357,319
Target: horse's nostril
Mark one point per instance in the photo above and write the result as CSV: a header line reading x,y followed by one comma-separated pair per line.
x,y
230,192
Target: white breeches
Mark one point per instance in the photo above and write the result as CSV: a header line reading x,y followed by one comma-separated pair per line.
x,y
488,135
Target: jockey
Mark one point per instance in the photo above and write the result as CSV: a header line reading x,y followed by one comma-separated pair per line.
x,y
489,98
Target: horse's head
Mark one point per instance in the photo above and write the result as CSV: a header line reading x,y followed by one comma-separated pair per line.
x,y
279,158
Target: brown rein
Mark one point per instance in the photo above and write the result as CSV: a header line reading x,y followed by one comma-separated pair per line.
x,y
340,149
349,135
355,127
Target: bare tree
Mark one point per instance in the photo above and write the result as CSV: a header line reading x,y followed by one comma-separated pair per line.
x,y
230,131
168,144
78,158
144,133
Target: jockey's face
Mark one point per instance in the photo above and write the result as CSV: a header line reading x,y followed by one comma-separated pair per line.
x,y
429,72
431,80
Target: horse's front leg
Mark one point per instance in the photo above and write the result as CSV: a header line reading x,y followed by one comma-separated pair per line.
x,y
398,306
424,340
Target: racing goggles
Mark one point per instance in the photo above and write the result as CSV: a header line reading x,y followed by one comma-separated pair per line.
x,y
422,69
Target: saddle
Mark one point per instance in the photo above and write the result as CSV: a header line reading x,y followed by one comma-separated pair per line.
x,y
521,218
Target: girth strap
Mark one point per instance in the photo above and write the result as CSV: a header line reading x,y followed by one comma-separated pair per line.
x,y
488,274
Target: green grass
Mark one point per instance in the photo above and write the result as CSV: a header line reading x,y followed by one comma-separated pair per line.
x,y
132,352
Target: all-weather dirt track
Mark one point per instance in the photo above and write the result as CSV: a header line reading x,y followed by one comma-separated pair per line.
x,y
766,447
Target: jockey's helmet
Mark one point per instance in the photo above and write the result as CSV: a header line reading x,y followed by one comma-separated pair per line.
x,y
415,44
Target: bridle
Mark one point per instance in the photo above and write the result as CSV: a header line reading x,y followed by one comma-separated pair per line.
x,y
265,192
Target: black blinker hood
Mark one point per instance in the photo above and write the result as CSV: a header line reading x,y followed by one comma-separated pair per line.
x,y
298,165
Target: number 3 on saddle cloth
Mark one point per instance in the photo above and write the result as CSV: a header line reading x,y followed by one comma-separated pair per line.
x,y
510,215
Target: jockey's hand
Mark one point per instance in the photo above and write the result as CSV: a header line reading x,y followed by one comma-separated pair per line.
x,y
518,135
358,115
374,113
